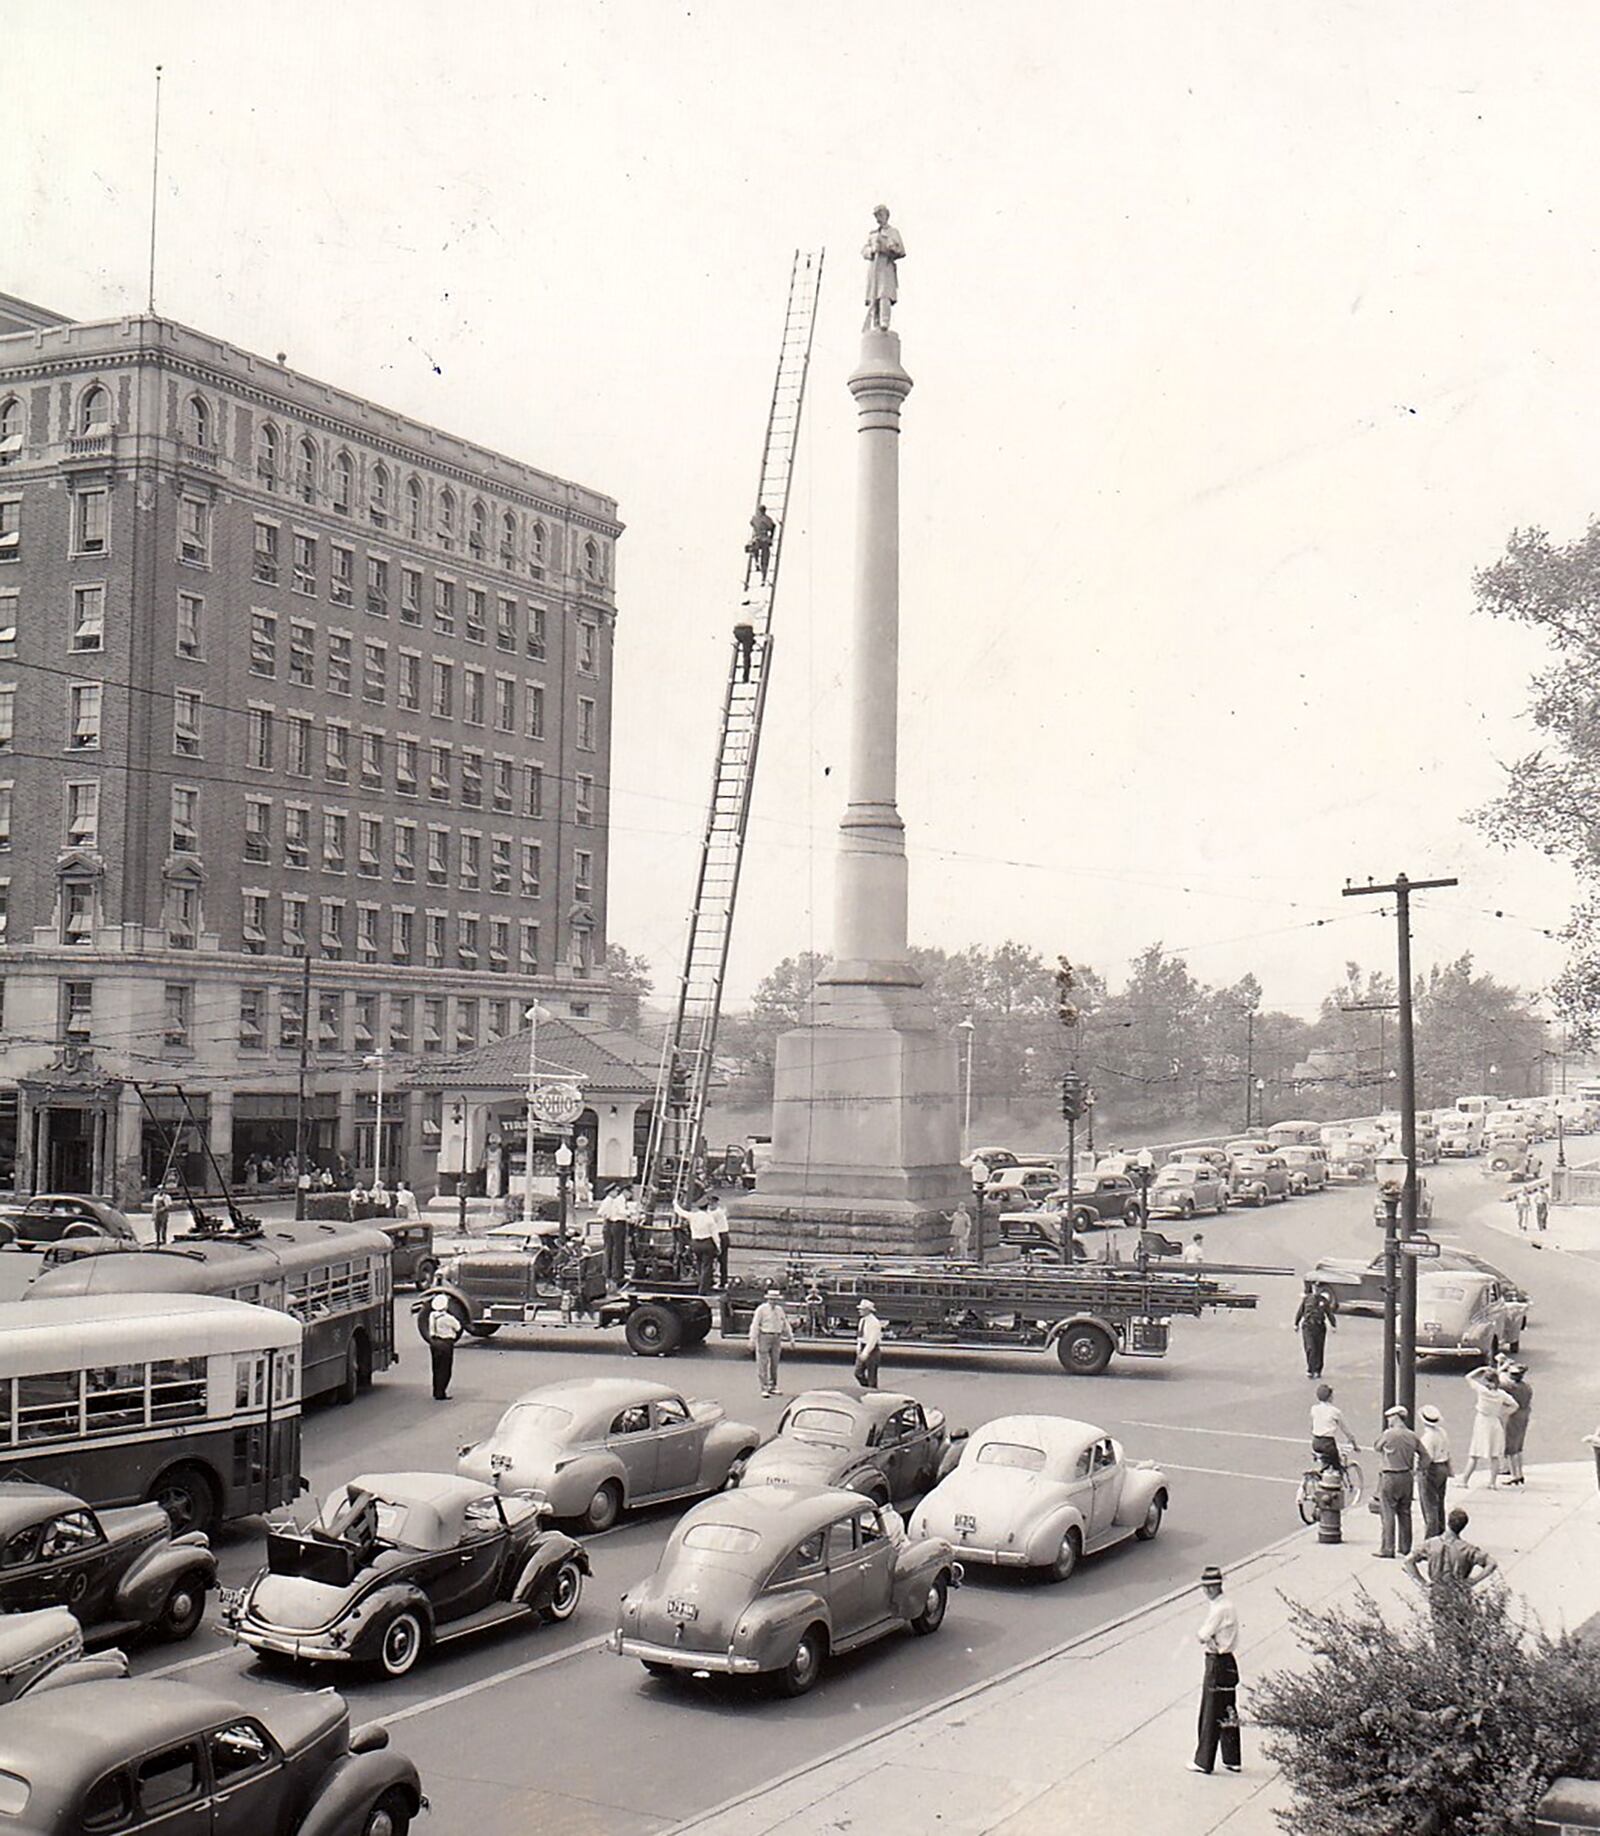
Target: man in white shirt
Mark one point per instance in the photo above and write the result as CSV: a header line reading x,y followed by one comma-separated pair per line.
x,y
770,1331
869,1346
1218,1638
612,1212
702,1242
1328,1427
1194,1251
1433,1470
719,1235
405,1203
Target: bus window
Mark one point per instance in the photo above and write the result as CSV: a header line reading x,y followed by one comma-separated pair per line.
x,y
47,1406
113,1397
250,1383
285,1386
177,1389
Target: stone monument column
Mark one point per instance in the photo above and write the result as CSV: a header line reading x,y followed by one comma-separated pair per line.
x,y
865,1132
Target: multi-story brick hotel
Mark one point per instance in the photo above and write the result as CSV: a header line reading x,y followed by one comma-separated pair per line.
x,y
282,673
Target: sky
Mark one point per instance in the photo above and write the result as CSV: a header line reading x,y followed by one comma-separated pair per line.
x,y
1242,334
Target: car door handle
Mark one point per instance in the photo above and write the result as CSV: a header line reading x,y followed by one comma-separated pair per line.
x,y
464,1559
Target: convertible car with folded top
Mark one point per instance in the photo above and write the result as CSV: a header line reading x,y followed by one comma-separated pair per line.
x,y
399,1562
1041,1492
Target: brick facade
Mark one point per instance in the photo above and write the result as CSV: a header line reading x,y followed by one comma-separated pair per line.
x,y
292,674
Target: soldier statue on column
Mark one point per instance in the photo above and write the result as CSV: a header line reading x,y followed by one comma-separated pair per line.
x,y
883,249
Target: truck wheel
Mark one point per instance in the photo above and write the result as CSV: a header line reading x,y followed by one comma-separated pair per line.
x,y
483,1329
1084,1351
426,1273
188,1497
653,1331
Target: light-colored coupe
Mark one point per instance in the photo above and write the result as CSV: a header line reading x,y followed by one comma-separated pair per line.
x,y
600,1446
1042,1492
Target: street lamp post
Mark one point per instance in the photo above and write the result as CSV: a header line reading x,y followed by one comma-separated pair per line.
x,y
563,1181
1261,1105
461,1166
533,1016
374,1062
1144,1167
969,1029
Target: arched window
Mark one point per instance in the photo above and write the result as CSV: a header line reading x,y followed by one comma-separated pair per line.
x,y
508,538
536,548
447,518
414,509
197,421
478,536
10,428
344,482
378,495
94,412
593,559
305,472
267,456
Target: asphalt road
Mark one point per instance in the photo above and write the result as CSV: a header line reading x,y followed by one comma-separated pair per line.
x,y
541,1728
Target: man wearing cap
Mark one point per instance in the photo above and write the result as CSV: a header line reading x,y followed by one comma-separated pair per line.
x,y
1434,1471
613,1212
1399,1452
869,1346
770,1331
443,1330
1218,1638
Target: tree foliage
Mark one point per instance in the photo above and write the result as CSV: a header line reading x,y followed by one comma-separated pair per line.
x,y
1552,796
630,981
1451,1721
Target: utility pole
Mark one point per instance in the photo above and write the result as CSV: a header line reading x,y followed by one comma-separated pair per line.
x,y
301,1184
1406,1336
1249,1062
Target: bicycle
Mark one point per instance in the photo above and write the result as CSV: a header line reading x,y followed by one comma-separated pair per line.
x,y
1306,1499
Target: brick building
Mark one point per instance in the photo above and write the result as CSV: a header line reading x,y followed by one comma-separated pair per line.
x,y
283,675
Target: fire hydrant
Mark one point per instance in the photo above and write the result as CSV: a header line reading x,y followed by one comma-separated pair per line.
x,y
1330,1505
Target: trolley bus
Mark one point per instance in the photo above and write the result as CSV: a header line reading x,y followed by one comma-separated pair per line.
x,y
334,1278
184,1399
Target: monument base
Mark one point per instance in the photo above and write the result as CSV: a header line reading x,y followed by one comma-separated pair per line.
x,y
864,1136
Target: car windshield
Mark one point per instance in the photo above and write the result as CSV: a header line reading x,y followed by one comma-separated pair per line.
x,y
721,1539
1011,1453
821,1424
539,1418
1176,1176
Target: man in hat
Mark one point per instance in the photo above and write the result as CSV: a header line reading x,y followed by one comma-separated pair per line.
x,y
869,1345
613,1212
1218,1638
444,1328
1315,1316
1514,1381
1434,1471
770,1331
1399,1453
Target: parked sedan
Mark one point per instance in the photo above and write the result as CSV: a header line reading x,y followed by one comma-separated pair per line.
x,y
1099,1198
121,1572
1308,1168
1020,1186
399,1562
1259,1178
1181,1191
54,1217
771,1580
878,1443
601,1445
160,1754
1042,1492
44,1650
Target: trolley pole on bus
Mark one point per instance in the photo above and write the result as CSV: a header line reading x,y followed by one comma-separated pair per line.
x,y
1404,1349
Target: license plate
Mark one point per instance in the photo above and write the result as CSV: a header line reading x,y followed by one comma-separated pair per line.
x,y
965,1523
682,1609
231,1601
499,1463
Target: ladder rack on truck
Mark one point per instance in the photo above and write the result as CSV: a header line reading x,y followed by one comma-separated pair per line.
x,y
1085,1316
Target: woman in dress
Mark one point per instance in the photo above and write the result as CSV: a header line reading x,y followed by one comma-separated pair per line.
x,y
1516,1386
1491,1406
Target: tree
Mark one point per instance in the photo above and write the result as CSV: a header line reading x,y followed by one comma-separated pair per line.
x,y
630,981
1453,1721
1466,1023
1552,794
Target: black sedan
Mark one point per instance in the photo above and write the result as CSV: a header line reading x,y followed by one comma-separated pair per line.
x,y
159,1754
399,1562
875,1442
120,1572
56,1217
1357,1286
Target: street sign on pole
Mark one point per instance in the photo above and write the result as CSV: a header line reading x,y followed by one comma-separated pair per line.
x,y
1418,1246
556,1104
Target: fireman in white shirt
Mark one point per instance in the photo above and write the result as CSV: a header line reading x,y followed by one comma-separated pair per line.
x,y
869,1346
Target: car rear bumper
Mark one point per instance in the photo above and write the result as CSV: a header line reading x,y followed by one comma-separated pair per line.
x,y
977,1552
310,1647
679,1657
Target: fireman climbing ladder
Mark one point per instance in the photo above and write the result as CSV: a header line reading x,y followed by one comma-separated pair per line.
x,y
678,1117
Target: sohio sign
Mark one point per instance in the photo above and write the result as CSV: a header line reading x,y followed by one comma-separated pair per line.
x,y
557,1104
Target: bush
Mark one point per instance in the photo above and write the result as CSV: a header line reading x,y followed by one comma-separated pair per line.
x,y
1452,1723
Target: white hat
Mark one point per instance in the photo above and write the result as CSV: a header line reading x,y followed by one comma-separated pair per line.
x,y
866,1307
1430,1412
440,1302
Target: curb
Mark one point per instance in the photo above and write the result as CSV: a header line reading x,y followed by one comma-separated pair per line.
x,y
974,1690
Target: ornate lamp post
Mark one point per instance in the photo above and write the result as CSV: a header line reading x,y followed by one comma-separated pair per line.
x,y
967,1027
374,1061
533,1016
563,1180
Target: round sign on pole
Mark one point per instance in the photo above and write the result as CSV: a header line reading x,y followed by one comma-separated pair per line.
x,y
557,1104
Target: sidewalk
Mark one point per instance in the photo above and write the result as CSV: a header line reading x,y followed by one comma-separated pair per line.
x,y
1573,1228
1104,1727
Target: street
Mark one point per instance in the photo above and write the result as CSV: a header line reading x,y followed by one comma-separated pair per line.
x,y
543,1728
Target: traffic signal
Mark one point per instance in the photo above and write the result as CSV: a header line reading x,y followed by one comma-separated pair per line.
x,y
1066,1009
1076,1096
